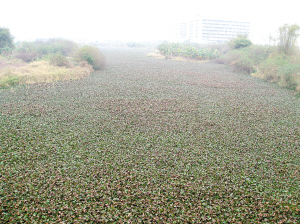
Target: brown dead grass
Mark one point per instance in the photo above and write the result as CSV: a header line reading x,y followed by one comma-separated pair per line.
x,y
40,72
160,56
156,55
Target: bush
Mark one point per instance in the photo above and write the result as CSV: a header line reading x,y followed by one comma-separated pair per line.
x,y
246,59
289,75
240,41
91,55
60,61
281,69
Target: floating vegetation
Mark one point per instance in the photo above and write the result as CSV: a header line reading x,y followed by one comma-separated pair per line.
x,y
152,141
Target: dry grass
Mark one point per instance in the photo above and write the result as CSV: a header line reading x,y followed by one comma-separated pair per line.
x,y
156,55
160,56
39,72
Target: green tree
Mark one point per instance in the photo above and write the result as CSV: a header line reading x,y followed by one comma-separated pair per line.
x,y
6,40
288,35
240,41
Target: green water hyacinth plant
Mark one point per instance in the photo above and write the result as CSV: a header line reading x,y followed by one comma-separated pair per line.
x,y
150,141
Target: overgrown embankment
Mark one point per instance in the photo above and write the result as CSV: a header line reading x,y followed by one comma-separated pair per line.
x,y
278,63
40,72
47,61
264,62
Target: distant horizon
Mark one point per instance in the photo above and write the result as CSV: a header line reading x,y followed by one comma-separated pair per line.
x,y
134,21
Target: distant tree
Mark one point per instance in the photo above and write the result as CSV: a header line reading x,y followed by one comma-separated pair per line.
x,y
6,40
272,40
287,40
240,41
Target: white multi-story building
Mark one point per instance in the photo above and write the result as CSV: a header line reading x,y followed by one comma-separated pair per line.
x,y
204,29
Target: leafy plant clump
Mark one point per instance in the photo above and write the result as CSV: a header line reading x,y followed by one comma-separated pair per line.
x,y
187,51
92,55
240,41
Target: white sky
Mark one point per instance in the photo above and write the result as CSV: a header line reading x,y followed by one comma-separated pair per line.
x,y
134,20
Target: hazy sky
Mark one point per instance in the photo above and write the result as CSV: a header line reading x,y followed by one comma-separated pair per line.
x,y
134,20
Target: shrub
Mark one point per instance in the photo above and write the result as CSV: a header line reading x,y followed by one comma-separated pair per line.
x,y
240,41
268,69
246,59
60,61
92,55
289,75
283,70
168,49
